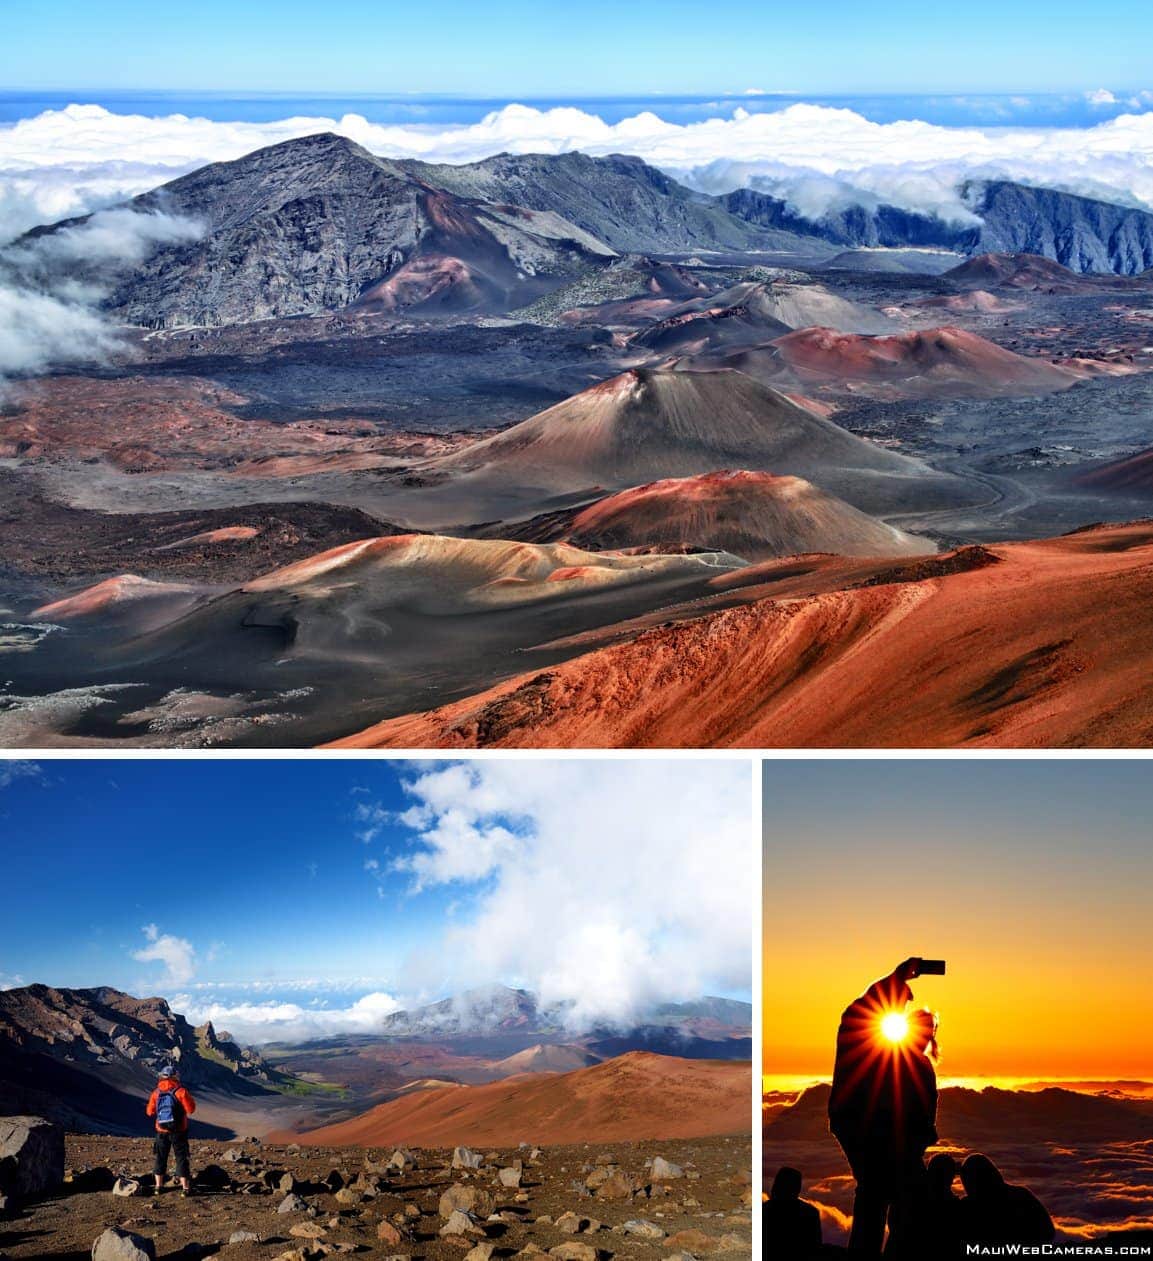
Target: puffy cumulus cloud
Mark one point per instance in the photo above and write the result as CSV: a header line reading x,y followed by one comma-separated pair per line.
x,y
273,1021
66,161
50,285
605,886
176,954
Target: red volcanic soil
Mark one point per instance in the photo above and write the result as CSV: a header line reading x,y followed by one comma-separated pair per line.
x,y
948,361
751,514
1032,272
434,280
1132,475
974,300
635,1096
1037,644
154,423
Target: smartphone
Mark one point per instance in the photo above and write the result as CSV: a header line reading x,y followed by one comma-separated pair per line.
x,y
930,967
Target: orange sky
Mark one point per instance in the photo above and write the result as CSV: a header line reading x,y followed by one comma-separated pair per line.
x,y
1032,880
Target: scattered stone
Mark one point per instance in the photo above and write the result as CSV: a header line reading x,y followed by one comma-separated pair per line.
x,y
482,1252
401,1160
350,1197
125,1187
605,1159
617,1186
411,1210
466,1199
464,1158
213,1177
574,1252
308,1230
692,1240
643,1229
459,1223
509,1177
293,1149
245,1236
234,1156
31,1156
387,1233
334,1180
288,1184
122,1245
665,1171
292,1203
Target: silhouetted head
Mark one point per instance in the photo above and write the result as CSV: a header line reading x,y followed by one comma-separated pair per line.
x,y
923,1032
979,1176
940,1172
786,1185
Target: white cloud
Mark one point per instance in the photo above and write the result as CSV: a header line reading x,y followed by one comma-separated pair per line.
x,y
176,954
49,287
12,769
10,981
610,886
65,162
274,1021
1101,96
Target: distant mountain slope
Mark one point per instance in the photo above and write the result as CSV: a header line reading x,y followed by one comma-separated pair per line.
x,y
621,200
634,1096
89,1057
319,223
1081,233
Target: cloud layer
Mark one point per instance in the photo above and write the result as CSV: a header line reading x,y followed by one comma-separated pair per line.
x,y
65,162
610,886
274,1021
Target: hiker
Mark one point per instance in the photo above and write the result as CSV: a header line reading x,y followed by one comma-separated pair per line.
x,y
883,1104
791,1227
171,1105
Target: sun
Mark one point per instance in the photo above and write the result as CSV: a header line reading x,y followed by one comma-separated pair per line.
x,y
894,1026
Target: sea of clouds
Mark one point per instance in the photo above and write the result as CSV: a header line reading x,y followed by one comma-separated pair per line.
x,y
73,160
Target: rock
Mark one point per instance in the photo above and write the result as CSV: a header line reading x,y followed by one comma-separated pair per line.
x,y
122,1245
213,1177
308,1230
387,1233
509,1177
680,1256
482,1252
245,1236
574,1252
288,1184
234,1155
692,1240
617,1186
333,1180
605,1159
465,1199
569,1223
350,1197
402,1159
411,1211
293,1149
665,1171
125,1187
31,1156
464,1158
292,1203
643,1229
459,1223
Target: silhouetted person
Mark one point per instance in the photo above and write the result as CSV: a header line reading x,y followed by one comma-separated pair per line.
x,y
791,1226
930,1221
883,1104
994,1211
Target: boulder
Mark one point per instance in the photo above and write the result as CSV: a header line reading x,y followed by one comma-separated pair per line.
x,y
402,1159
464,1158
350,1197
574,1252
509,1177
387,1233
466,1200
31,1156
574,1224
308,1230
642,1228
123,1245
244,1236
125,1187
292,1203
665,1171
459,1223
617,1186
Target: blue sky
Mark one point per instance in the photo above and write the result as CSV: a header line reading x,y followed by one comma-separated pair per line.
x,y
509,48
274,895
